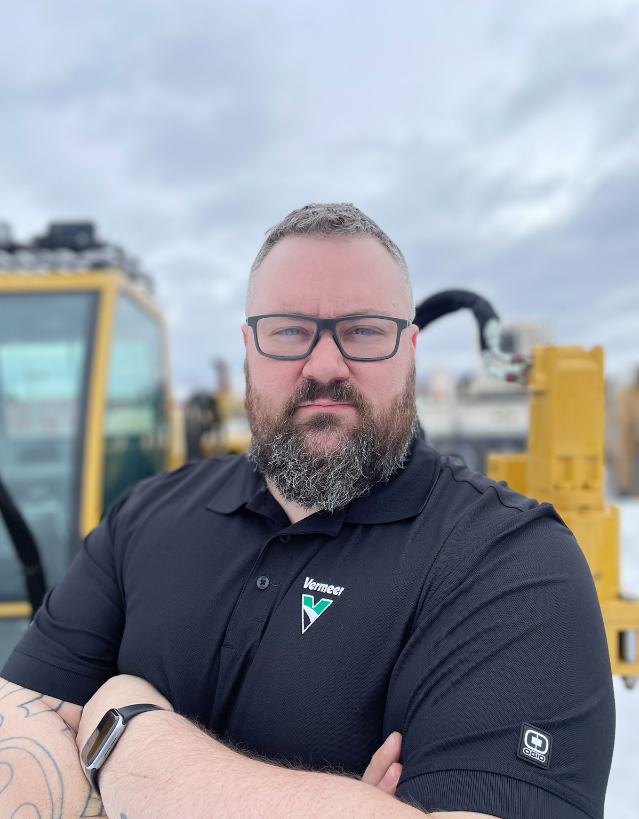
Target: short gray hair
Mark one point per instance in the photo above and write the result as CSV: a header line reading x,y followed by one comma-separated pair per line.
x,y
335,220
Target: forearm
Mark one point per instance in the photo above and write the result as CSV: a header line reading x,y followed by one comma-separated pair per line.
x,y
39,763
164,767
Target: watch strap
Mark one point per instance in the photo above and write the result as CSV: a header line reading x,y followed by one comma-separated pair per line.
x,y
133,710
92,773
126,713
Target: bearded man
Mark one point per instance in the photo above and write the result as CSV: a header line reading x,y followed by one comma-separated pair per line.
x,y
245,632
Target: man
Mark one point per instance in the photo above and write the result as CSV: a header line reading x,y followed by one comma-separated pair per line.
x,y
342,587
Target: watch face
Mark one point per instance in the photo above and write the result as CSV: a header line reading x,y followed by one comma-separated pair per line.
x,y
97,739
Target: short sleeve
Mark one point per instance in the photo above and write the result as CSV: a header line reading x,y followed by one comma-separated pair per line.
x,y
71,647
509,633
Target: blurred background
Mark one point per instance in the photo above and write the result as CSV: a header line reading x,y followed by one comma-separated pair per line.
x,y
496,142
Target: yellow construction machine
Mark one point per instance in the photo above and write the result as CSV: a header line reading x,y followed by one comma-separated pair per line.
x,y
624,438
215,422
84,397
564,464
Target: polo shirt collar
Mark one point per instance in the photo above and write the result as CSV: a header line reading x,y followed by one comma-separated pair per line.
x,y
406,493
404,496
323,523
240,484
234,485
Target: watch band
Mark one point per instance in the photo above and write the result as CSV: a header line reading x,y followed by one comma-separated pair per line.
x,y
126,713
133,710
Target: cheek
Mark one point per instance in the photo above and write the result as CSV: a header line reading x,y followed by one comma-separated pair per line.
x,y
272,379
382,382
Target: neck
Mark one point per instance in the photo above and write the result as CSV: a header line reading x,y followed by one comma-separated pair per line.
x,y
293,512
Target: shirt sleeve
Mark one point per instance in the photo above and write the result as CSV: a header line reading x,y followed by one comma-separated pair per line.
x,y
509,633
71,647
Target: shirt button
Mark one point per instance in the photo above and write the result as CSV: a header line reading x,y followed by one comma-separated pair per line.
x,y
285,538
262,582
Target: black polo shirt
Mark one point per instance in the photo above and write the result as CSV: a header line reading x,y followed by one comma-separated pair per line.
x,y
443,605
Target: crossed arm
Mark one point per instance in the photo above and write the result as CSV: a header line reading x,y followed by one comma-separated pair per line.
x,y
165,766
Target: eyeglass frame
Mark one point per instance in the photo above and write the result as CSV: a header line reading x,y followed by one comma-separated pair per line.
x,y
326,324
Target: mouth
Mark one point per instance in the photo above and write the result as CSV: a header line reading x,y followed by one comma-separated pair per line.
x,y
326,405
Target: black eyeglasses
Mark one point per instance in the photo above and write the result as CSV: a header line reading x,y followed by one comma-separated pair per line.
x,y
360,338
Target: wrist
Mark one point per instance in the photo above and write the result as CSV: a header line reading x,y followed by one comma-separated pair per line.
x,y
139,737
117,692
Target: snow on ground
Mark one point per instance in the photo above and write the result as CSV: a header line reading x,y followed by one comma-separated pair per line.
x,y
622,801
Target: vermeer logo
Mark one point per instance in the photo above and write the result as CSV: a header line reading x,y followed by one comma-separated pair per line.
x,y
315,585
534,746
312,610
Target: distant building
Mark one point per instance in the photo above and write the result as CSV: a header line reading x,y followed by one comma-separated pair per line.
x,y
475,415
476,419
521,336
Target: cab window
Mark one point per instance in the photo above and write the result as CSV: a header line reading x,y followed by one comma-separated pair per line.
x,y
135,423
44,347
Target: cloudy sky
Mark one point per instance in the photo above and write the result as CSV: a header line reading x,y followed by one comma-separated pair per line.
x,y
497,142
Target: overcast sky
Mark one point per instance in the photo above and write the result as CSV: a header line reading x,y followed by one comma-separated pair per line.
x,y
497,143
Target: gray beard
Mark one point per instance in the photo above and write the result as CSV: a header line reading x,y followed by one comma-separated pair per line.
x,y
330,478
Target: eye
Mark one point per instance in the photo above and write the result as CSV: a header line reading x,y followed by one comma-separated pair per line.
x,y
364,331
289,331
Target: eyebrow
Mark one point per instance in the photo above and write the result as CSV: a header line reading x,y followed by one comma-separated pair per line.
x,y
369,311
366,311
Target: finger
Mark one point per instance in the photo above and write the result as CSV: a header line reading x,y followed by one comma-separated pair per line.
x,y
382,759
391,778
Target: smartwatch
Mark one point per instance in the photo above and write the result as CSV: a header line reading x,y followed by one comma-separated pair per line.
x,y
103,740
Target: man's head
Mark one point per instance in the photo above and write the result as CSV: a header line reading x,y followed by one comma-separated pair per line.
x,y
326,427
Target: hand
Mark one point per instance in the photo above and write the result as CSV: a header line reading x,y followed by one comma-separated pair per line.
x,y
384,769
116,693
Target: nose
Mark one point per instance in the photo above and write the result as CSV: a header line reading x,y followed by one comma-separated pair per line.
x,y
326,363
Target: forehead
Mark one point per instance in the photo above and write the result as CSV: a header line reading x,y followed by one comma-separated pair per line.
x,y
329,277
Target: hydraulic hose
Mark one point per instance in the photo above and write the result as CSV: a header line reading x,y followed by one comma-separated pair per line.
x,y
26,549
449,301
507,366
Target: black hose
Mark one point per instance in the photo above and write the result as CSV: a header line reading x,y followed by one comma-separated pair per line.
x,y
449,301
26,549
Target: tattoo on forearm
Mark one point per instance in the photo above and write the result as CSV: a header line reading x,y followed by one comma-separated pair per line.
x,y
25,761
11,691
36,705
36,766
32,706
93,806
68,733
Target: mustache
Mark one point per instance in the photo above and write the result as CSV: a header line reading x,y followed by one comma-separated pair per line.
x,y
338,391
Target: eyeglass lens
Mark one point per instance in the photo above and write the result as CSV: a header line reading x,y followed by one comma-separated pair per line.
x,y
360,337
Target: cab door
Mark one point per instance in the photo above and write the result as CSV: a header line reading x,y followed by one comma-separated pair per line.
x,y
46,342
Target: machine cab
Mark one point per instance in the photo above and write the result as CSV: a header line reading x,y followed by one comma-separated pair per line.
x,y
83,397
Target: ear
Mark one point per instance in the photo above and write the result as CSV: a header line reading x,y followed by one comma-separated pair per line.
x,y
245,329
414,332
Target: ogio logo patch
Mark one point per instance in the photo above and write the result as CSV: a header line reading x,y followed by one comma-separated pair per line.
x,y
312,610
534,746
